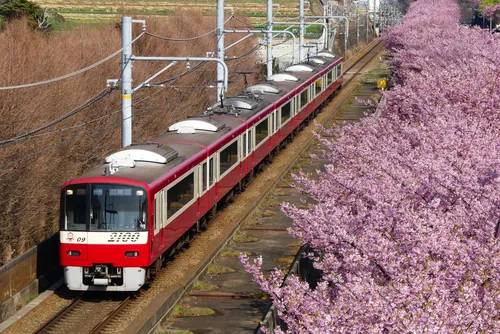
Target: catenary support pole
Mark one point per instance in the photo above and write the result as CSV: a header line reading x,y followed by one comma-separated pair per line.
x,y
269,38
220,48
301,33
126,81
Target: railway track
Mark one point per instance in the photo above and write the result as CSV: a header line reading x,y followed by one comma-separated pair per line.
x,y
88,313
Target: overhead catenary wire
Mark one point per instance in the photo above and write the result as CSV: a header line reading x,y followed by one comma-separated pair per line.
x,y
73,112
72,74
186,39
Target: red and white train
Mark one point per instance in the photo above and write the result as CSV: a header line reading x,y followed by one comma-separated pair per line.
x,y
117,225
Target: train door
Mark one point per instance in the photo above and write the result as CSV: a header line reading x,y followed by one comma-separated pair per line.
x,y
157,242
243,153
203,187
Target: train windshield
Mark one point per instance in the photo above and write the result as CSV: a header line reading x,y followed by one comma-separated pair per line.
x,y
104,207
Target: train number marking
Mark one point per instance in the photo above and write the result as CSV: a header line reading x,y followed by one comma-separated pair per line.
x,y
124,237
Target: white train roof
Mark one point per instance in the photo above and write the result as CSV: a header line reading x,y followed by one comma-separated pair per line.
x,y
299,68
144,152
263,88
280,77
190,125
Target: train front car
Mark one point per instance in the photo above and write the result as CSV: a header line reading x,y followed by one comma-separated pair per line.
x,y
104,235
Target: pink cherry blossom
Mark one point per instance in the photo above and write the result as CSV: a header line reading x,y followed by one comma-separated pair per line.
x,y
406,225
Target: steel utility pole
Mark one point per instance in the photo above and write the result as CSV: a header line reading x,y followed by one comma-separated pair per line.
x,y
301,33
126,81
219,35
126,78
269,37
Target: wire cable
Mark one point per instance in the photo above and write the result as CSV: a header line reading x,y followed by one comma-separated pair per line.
x,y
73,112
69,75
187,39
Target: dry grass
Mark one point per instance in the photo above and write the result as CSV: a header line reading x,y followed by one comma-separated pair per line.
x,y
30,184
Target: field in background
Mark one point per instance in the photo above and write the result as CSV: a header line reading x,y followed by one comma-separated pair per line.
x,y
103,10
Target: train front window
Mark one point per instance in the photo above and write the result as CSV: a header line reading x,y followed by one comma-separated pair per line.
x,y
75,208
104,207
117,208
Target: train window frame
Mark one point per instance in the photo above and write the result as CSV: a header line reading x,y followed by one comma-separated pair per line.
x,y
192,171
263,140
203,179
339,70
274,122
330,77
303,93
321,87
290,113
235,164
244,145
212,170
250,141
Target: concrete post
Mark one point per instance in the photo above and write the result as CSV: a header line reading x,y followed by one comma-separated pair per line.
x,y
126,81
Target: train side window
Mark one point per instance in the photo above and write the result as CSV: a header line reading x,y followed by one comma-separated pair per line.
x,y
319,85
304,96
244,149
272,123
250,142
285,113
204,176
339,70
329,78
261,131
180,194
211,172
228,157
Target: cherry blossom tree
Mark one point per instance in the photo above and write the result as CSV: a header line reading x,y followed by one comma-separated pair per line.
x,y
406,225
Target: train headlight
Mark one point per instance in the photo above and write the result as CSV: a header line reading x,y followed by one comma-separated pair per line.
x,y
73,253
131,254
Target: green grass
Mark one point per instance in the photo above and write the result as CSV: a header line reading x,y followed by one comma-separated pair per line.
x,y
233,253
243,237
202,286
374,75
219,269
192,311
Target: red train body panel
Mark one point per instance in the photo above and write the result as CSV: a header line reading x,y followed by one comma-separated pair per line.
x,y
117,224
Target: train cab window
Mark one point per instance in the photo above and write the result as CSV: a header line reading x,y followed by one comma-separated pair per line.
x,y
261,131
211,172
329,78
304,98
318,85
204,176
339,70
228,157
180,195
75,202
117,208
285,113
